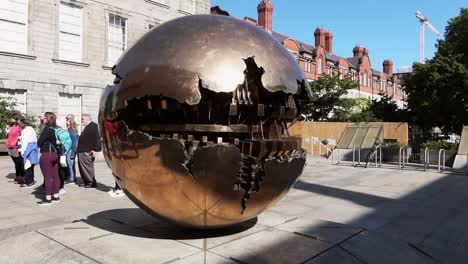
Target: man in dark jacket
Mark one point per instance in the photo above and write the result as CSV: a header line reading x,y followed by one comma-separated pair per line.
x,y
89,143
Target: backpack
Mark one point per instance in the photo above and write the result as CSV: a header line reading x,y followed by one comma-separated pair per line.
x,y
64,138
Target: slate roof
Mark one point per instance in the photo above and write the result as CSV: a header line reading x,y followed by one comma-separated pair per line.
x,y
304,47
376,72
333,57
354,62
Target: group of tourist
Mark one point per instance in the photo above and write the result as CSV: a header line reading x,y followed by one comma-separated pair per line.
x,y
56,151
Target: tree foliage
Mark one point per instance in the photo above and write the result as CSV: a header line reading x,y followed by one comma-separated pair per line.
x,y
355,110
386,109
329,97
7,105
438,90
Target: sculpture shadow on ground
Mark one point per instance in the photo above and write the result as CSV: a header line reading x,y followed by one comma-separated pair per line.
x,y
136,222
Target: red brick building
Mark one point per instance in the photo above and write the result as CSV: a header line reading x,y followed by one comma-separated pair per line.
x,y
319,58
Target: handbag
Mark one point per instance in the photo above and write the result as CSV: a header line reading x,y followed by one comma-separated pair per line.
x,y
63,161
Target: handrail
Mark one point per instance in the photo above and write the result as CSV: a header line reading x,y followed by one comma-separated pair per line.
x,y
321,145
441,151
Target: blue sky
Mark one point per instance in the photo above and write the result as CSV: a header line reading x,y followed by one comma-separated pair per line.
x,y
389,29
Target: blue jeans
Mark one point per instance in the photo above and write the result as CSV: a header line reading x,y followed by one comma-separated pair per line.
x,y
71,167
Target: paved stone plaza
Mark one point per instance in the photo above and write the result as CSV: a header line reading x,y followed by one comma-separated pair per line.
x,y
334,214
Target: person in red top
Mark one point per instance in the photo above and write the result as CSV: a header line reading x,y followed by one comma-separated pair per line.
x,y
13,145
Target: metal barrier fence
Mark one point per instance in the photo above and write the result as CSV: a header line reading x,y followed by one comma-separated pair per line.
x,y
403,158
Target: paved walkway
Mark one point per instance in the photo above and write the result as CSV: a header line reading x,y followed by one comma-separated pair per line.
x,y
334,214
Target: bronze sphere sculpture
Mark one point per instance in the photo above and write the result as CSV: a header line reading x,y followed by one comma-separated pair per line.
x,y
195,125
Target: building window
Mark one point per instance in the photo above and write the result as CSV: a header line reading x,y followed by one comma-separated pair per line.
x,y
307,66
342,73
319,66
187,6
116,38
70,46
14,26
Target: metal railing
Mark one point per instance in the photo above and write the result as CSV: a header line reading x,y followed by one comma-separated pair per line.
x,y
403,157
315,140
354,155
426,159
378,154
441,154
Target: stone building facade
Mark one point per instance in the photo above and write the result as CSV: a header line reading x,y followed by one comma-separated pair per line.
x,y
319,59
57,55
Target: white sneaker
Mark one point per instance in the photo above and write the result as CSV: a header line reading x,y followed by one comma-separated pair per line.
x,y
62,191
118,193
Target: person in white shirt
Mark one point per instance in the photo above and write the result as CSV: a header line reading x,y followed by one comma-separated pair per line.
x,y
28,151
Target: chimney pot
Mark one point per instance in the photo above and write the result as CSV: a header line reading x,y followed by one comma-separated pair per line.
x,y
265,15
329,41
388,67
319,34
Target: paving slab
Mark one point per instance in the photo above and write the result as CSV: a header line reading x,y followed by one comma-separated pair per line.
x,y
28,248
335,255
79,232
206,258
272,218
69,257
135,247
322,230
371,247
429,210
272,246
417,224
203,238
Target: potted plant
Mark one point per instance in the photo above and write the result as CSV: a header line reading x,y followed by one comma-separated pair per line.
x,y
433,151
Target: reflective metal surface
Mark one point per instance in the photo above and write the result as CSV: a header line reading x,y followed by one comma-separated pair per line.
x,y
195,124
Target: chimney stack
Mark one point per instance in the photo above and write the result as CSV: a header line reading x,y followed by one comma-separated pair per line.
x,y
359,51
329,41
265,15
320,36
388,67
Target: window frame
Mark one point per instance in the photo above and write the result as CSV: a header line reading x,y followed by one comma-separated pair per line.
x,y
84,56
28,54
127,17
319,65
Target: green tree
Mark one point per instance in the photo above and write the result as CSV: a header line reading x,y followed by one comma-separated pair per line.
x,y
329,97
354,110
6,111
438,90
386,109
